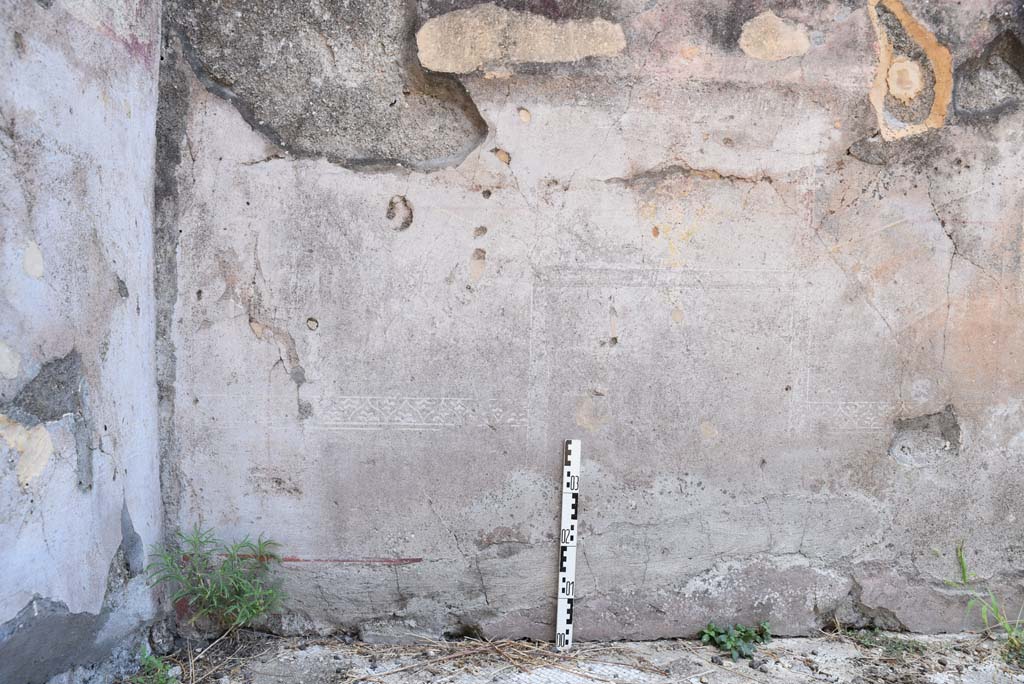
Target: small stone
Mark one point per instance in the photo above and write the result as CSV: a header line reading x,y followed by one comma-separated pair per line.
x,y
943,662
503,156
717,660
770,38
814,652
764,667
492,39
524,115
754,664
161,638
312,323
174,672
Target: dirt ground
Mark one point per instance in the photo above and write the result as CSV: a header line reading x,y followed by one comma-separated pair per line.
x,y
854,658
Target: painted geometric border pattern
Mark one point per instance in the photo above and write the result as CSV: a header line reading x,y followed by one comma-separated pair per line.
x,y
413,413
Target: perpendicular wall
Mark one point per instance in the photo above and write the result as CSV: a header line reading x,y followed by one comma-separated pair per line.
x,y
79,471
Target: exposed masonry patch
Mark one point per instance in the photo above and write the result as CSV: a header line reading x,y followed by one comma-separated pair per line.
x,y
926,440
851,612
172,109
490,37
332,79
131,544
770,38
651,178
45,639
399,213
871,150
916,154
896,29
991,84
57,390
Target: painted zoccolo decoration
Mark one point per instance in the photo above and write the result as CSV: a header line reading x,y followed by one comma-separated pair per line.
x,y
568,534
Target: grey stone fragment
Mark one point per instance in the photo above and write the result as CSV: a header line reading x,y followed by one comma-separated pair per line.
x,y
55,391
331,79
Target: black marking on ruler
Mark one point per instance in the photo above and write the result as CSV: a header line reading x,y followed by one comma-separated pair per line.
x,y
571,456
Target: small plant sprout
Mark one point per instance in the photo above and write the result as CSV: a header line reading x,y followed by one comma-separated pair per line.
x,y
994,614
739,641
152,670
229,584
966,577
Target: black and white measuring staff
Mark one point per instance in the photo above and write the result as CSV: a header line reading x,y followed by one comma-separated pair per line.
x,y
571,454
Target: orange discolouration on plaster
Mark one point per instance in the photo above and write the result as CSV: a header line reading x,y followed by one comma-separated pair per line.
x,y
33,445
985,340
939,59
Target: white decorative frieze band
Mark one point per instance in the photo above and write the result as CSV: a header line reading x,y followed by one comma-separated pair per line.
x,y
413,413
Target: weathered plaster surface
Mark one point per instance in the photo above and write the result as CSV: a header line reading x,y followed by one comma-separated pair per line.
x,y
79,479
790,342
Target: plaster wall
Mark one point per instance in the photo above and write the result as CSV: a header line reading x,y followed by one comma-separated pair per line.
x,y
781,306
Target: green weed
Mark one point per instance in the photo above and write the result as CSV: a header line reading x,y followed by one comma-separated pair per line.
x,y
966,577
228,583
993,613
152,670
739,641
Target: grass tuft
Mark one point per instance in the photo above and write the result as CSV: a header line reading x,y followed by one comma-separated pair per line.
x,y
230,584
